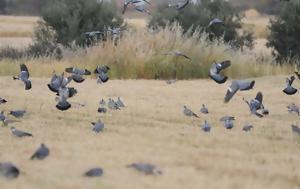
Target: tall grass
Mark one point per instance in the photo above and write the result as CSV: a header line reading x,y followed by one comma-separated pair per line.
x,y
140,54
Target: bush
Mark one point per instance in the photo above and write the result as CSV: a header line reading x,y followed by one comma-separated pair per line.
x,y
284,33
71,18
199,15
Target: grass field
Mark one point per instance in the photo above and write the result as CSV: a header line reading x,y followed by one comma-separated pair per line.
x,y
152,128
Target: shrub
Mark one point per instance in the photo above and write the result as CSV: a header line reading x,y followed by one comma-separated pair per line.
x,y
71,18
200,14
284,33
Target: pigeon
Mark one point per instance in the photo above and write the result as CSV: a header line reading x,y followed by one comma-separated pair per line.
x,y
206,127
19,133
2,101
189,112
215,21
177,54
2,117
78,73
216,68
92,34
98,126
238,85
179,5
59,81
41,153
9,170
228,121
256,104
103,69
172,81
17,113
94,172
65,93
112,105
247,128
289,90
293,108
146,168
120,103
133,2
296,129
204,110
101,72
24,76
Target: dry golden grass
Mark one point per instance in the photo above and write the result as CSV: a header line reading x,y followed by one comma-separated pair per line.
x,y
137,22
152,129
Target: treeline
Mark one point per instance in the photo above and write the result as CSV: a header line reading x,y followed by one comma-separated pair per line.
x,y
22,7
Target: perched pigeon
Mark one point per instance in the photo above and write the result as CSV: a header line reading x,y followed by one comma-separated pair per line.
x,y
146,168
2,101
94,172
17,113
24,76
206,127
216,68
296,129
19,133
9,170
41,153
177,54
238,85
294,108
78,73
289,90
179,5
189,112
172,81
98,126
204,110
256,104
247,128
120,103
228,121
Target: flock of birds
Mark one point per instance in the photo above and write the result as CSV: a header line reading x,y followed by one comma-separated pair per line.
x,y
59,86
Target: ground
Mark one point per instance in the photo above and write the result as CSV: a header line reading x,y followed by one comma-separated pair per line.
x,y
152,128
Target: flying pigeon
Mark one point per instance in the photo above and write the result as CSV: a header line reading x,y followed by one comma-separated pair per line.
x,y
189,112
204,110
134,3
177,54
98,126
24,76
216,68
215,21
17,113
238,85
59,81
256,104
9,170
206,127
78,73
289,90
19,133
179,5
146,168
94,172
101,72
41,153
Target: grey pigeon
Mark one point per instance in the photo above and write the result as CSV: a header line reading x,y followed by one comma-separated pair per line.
x,y
289,90
179,5
296,129
19,133
206,127
94,172
112,104
216,68
120,103
136,3
9,170
2,101
24,76
65,93
247,128
177,53
2,117
204,110
102,109
228,121
41,153
215,21
98,126
238,85
256,104
146,168
172,81
189,112
294,108
78,73
103,69
17,113
59,81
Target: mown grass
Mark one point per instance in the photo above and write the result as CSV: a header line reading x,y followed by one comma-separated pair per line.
x,y
140,54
